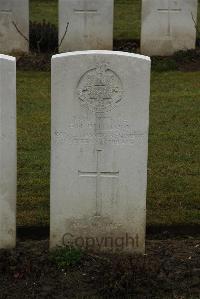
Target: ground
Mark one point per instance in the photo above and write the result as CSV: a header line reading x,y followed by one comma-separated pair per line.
x,y
169,269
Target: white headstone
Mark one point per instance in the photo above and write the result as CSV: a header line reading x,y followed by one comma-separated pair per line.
x,y
90,25
14,26
7,151
100,117
168,26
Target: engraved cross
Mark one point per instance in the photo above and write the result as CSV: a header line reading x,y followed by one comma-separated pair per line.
x,y
98,174
100,92
169,10
85,12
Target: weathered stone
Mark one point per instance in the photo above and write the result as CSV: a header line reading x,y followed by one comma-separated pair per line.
x,y
90,25
7,151
168,26
100,117
14,26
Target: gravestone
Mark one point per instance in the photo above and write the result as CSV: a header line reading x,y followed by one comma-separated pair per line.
x,y
90,25
100,112
7,151
14,26
168,26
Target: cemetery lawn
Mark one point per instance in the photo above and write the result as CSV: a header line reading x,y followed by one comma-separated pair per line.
x,y
174,146
127,16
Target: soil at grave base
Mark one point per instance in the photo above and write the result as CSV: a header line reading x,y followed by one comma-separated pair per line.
x,y
185,61
170,269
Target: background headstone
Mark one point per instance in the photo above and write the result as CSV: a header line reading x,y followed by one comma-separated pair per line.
x,y
90,25
100,117
7,151
168,26
14,26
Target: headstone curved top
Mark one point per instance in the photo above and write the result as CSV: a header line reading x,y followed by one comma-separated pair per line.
x,y
100,117
168,26
7,151
14,26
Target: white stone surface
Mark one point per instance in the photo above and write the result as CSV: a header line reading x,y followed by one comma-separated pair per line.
x,y
7,151
100,117
14,18
90,24
168,26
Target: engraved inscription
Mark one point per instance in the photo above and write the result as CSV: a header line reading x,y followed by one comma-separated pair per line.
x,y
85,11
97,131
100,89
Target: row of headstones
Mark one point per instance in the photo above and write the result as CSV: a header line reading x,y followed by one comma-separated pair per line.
x,y
100,118
167,25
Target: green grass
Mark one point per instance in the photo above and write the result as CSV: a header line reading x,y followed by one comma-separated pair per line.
x,y
127,19
174,146
127,16
66,257
33,147
44,10
174,161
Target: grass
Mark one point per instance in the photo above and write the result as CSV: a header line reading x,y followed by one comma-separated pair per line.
x,y
127,19
65,257
33,147
173,175
44,9
173,186
127,16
